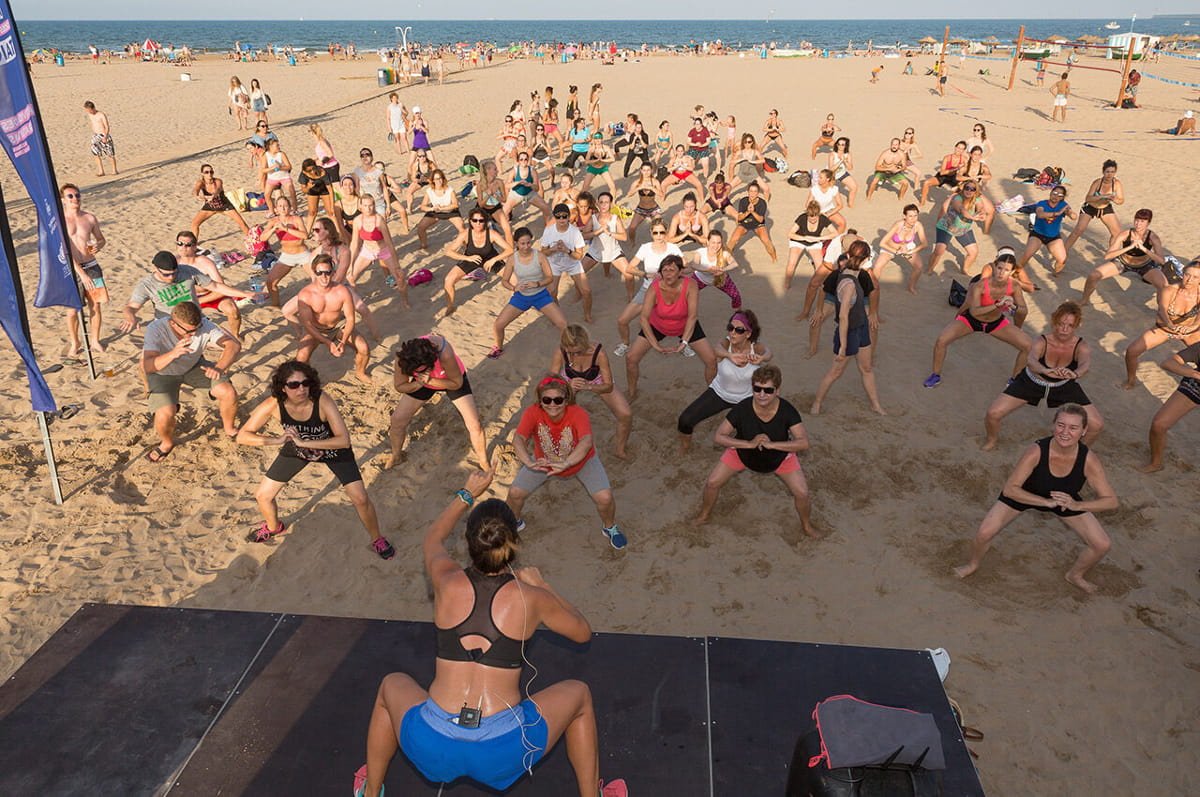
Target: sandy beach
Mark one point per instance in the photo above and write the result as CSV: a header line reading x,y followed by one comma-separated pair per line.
x,y
1077,694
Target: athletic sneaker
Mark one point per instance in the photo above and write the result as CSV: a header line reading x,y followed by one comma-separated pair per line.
x,y
262,534
384,548
687,351
933,380
621,350
615,788
617,539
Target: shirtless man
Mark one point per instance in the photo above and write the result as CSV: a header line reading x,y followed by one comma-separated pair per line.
x,y
186,253
1061,91
85,239
327,318
102,143
890,166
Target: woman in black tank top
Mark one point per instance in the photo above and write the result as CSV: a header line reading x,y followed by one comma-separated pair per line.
x,y
475,251
1036,483
575,347
1139,250
313,431
473,721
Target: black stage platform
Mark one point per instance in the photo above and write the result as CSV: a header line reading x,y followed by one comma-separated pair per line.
x,y
128,700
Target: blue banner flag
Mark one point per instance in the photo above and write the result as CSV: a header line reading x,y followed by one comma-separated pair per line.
x,y
24,140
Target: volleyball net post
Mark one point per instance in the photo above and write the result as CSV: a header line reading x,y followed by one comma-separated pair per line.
x,y
1016,60
1125,73
941,64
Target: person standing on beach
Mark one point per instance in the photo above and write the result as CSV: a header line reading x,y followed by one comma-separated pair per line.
x,y
85,240
326,311
1062,92
1034,484
102,141
890,166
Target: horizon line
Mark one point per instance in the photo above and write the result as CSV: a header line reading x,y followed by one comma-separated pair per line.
x,y
639,19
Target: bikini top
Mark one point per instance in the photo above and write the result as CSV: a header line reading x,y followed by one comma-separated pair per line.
x,y
375,234
1138,251
504,651
288,235
1071,366
912,235
646,192
590,374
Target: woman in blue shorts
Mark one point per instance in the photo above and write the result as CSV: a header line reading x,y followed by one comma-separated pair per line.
x,y
473,722
527,274
854,323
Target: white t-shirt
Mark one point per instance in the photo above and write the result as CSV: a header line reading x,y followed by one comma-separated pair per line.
x,y
834,251
561,262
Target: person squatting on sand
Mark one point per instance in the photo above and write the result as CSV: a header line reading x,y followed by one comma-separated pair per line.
x,y
473,722
1050,477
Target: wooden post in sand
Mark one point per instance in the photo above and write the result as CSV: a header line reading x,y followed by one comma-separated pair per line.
x,y
1012,75
1125,73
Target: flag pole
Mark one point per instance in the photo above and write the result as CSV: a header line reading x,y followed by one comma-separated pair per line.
x,y
23,315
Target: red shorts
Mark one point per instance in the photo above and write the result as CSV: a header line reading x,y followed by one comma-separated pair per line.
x,y
212,303
790,463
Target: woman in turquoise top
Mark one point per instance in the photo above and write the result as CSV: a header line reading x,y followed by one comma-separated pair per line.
x,y
580,135
526,187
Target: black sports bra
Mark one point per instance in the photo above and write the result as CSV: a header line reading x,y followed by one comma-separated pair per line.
x,y
504,652
590,373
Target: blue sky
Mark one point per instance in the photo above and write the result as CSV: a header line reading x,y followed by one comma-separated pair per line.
x,y
553,9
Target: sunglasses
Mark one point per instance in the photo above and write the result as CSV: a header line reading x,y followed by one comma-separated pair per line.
x,y
185,243
969,189
764,389
69,195
206,171
323,273
366,155
478,221
658,232
737,329
296,384
562,215
167,272
556,400
182,328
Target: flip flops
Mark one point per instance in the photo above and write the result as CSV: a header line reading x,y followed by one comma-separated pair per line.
x,y
157,455
495,353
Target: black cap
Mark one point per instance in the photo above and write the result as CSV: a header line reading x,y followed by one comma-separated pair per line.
x,y
165,261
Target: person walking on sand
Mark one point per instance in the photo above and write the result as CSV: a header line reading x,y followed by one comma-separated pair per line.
x,y
102,140
85,239
1036,484
1062,92
313,431
763,433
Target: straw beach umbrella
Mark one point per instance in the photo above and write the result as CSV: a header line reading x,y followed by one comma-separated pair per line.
x,y
928,40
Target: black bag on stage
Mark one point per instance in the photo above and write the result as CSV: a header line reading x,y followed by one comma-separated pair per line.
x,y
958,294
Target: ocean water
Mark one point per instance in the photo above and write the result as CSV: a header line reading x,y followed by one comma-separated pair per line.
x,y
370,35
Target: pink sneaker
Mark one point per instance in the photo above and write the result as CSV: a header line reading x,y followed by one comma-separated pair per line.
x,y
360,782
615,788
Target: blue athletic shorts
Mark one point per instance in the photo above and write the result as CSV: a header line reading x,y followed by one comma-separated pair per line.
x,y
535,302
496,754
856,338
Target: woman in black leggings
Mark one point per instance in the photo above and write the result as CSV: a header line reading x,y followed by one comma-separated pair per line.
x,y
639,146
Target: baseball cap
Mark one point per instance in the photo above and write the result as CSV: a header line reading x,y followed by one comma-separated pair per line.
x,y
416,109
165,261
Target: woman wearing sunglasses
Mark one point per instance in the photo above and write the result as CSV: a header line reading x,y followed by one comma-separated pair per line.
x,y
554,438
313,431
211,191
586,368
955,221
763,434
738,357
475,250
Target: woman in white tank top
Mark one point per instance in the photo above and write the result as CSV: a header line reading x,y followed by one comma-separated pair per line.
x,y
825,193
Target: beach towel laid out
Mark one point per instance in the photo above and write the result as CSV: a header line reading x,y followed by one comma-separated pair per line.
x,y
855,733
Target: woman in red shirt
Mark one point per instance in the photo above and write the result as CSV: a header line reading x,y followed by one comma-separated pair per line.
x,y
554,438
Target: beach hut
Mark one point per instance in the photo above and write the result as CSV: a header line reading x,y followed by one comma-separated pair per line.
x,y
1142,43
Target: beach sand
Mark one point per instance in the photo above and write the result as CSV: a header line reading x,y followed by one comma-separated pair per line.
x,y
1077,695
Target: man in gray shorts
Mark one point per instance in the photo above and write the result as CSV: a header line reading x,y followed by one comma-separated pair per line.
x,y
173,356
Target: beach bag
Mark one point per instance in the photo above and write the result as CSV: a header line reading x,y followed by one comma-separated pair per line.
x,y
801,178
268,99
821,781
661,174
623,213
958,294
618,128
472,161
256,200
1026,175
1050,177
254,243
237,197
420,277
467,190
1011,205
775,164
855,733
